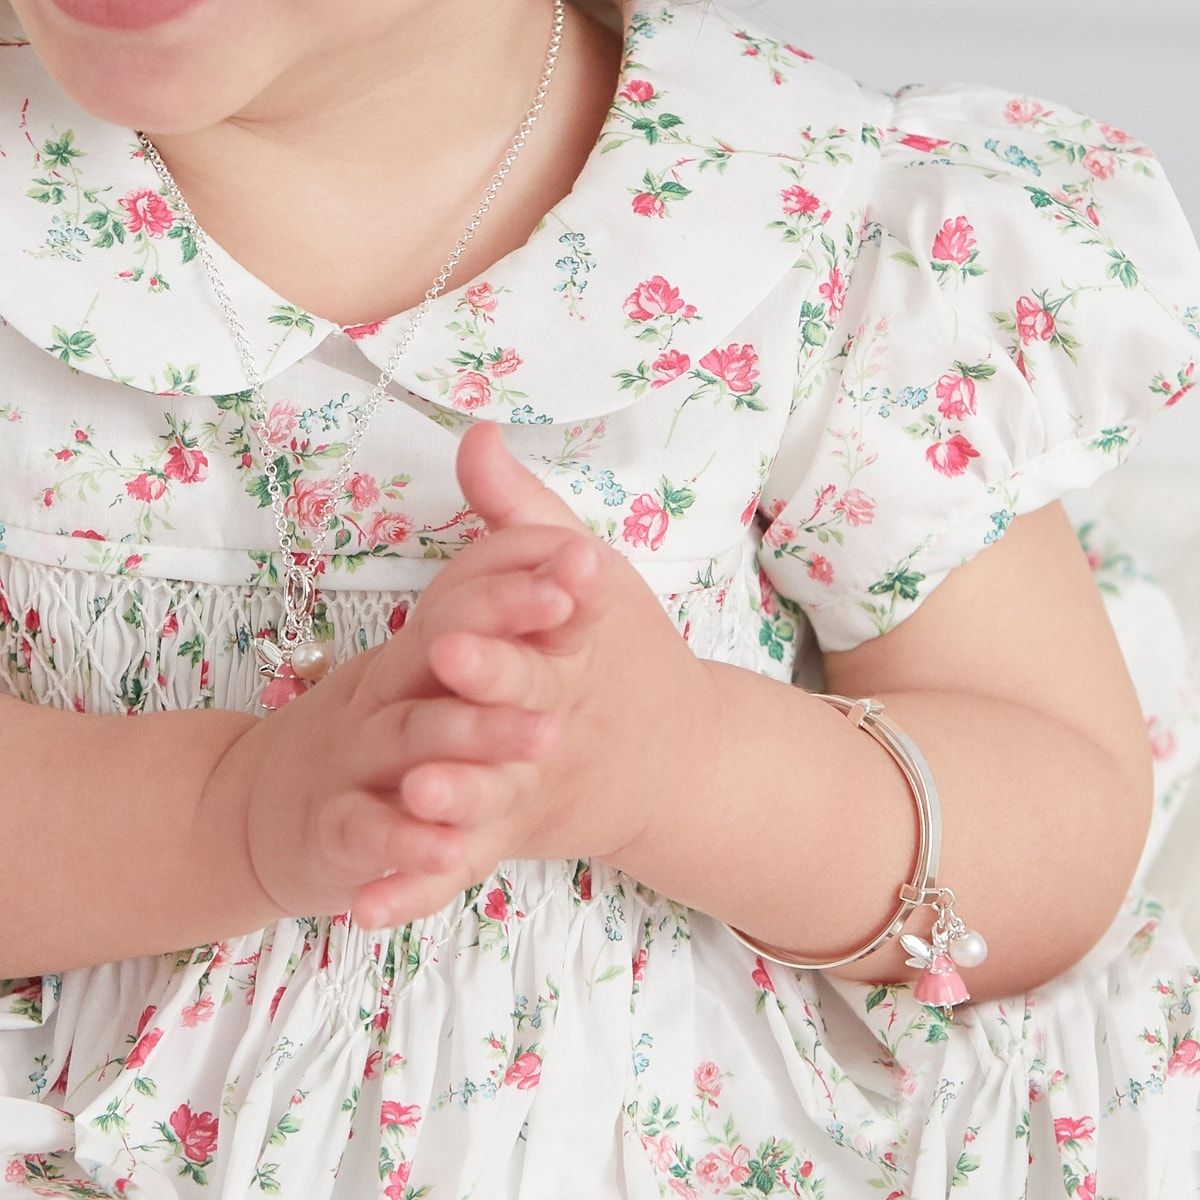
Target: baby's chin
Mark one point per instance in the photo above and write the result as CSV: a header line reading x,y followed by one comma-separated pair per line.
x,y
172,76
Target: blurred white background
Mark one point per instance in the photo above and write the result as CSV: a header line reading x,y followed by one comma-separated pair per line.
x,y
1133,65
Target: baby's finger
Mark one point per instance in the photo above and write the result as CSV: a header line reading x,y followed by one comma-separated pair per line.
x,y
462,794
489,670
399,736
400,898
586,569
512,604
361,836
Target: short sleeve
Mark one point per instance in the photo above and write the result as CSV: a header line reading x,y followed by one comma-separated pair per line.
x,y
1024,295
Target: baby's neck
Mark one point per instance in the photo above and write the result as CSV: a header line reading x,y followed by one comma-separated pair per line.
x,y
346,187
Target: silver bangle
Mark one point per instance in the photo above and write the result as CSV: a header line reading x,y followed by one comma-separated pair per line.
x,y
952,941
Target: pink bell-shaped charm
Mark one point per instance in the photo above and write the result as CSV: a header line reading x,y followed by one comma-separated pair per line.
x,y
283,688
940,984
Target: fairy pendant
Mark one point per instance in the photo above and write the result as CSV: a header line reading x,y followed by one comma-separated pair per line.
x,y
952,945
301,660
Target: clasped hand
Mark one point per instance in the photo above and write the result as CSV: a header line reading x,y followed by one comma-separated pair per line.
x,y
538,703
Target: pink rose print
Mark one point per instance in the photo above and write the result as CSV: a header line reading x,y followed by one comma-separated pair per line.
x,y
639,965
1087,1187
951,456
708,1079
954,241
1163,742
1114,136
280,424
364,491
639,91
799,200
655,297
736,366
506,364
393,1114
308,502
398,1181
170,627
834,291
647,523
496,908
141,1050
185,464
668,366
681,1187
197,1132
196,1014
804,54
146,488
820,569
918,141
15,1172
1021,112
389,529
482,298
660,1151
761,977
470,391
1074,1129
647,204
724,1167
1101,163
956,396
146,210
1034,321
1186,1059
358,332
525,1072
779,533
857,507
397,617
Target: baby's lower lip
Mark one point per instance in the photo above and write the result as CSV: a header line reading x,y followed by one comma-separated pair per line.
x,y
125,14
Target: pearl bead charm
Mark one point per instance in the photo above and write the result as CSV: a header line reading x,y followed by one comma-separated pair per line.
x,y
969,950
312,660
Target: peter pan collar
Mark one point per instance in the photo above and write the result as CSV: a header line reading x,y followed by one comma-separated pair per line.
x,y
683,192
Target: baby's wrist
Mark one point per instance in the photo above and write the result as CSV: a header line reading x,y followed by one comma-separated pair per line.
x,y
222,828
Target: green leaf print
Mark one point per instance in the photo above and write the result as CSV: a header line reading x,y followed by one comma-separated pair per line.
x,y
876,997
1121,268
676,500
48,193
966,1164
72,345
292,317
57,156
904,584
1112,439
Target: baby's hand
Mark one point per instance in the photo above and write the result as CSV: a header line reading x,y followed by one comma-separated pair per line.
x,y
636,708
321,778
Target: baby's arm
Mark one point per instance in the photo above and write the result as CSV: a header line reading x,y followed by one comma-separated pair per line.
x,y
131,836
765,807
1010,680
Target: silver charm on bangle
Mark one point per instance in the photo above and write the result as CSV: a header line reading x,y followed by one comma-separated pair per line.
x,y
952,944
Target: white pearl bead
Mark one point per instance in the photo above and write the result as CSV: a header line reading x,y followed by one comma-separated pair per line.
x,y
969,951
312,660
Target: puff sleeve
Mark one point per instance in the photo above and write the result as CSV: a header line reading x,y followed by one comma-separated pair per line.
x,y
1024,296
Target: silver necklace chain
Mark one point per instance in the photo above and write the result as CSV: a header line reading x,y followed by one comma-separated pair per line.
x,y
300,568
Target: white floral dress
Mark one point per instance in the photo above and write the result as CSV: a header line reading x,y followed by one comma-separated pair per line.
x,y
797,349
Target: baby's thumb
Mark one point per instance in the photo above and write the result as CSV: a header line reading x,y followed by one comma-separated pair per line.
x,y
501,490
